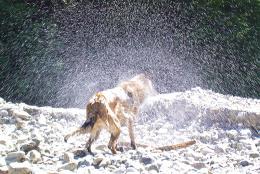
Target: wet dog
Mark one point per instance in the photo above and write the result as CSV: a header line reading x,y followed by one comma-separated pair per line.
x,y
113,108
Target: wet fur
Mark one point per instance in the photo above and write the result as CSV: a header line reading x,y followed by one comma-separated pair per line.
x,y
113,108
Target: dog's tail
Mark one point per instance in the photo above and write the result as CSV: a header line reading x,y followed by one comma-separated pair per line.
x,y
81,130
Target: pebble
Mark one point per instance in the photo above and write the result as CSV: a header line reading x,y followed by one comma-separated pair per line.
x,y
68,157
232,134
198,165
217,150
3,113
146,160
83,163
97,160
244,163
153,167
254,155
68,166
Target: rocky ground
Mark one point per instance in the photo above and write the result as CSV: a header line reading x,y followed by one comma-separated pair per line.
x,y
226,130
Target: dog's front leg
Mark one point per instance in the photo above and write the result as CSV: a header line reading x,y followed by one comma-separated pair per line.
x,y
131,133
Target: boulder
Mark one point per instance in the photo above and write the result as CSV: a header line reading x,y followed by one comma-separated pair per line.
x,y
34,156
18,156
20,168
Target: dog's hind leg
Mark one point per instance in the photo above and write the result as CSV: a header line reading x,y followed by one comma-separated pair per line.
x,y
83,129
76,132
113,141
95,132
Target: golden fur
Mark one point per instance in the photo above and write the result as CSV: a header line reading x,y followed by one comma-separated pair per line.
x,y
112,108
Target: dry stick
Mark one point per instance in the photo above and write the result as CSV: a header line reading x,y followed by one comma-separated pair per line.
x,y
165,148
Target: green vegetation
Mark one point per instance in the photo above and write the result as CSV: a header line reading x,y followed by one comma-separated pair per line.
x,y
32,64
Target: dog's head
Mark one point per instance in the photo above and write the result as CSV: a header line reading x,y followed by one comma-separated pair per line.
x,y
139,87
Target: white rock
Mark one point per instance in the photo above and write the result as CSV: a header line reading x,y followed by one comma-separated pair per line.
x,y
2,101
20,114
4,170
3,113
102,148
245,132
2,162
68,166
42,119
206,151
66,172
34,156
20,168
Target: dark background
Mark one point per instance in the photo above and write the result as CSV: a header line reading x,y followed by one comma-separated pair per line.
x,y
59,53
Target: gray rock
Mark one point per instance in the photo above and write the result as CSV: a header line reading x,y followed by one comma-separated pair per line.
x,y
254,155
146,160
68,166
34,156
33,145
198,165
83,163
68,157
2,142
18,156
244,163
97,160
153,167
79,153
20,168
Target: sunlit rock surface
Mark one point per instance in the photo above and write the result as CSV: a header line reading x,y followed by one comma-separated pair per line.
x,y
226,129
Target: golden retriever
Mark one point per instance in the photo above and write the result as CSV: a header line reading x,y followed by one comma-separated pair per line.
x,y
113,108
